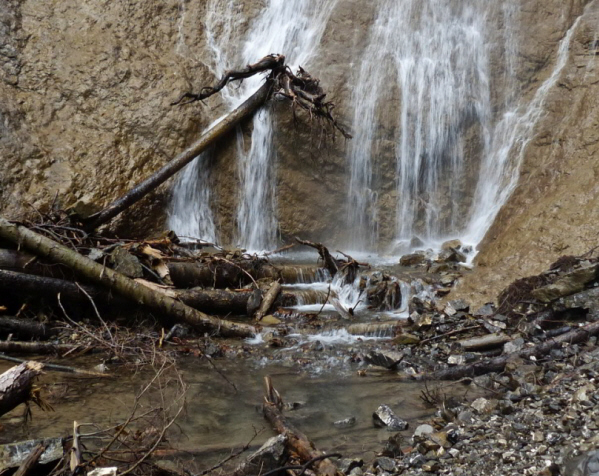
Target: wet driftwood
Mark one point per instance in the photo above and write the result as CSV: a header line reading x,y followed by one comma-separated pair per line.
x,y
497,364
172,310
297,441
330,263
16,384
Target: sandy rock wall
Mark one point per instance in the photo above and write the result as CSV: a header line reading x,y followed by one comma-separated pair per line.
x,y
554,210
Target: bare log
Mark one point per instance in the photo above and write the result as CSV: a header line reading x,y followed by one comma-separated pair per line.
x,y
19,347
16,384
208,138
29,284
172,310
26,328
497,364
224,274
298,442
268,300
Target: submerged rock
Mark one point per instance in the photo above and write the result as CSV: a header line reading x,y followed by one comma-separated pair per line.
x,y
345,423
385,417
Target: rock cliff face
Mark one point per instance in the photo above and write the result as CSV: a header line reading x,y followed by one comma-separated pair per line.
x,y
554,210
85,88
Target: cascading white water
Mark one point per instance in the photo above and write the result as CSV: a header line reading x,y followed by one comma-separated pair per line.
x,y
500,169
290,27
432,67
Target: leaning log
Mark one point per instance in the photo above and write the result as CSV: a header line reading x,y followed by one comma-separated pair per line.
x,y
208,138
497,364
297,441
171,310
16,384
268,300
26,328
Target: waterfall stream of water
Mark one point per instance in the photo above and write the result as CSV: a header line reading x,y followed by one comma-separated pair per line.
x,y
434,133
290,27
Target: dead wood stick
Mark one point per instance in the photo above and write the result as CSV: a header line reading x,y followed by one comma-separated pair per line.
x,y
57,368
27,465
298,442
35,347
329,262
26,328
209,137
497,364
16,384
173,311
268,63
268,300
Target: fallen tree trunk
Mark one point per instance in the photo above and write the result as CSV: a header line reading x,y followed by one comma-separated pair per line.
x,y
497,364
268,300
26,328
224,274
30,284
297,441
220,301
16,384
208,138
174,310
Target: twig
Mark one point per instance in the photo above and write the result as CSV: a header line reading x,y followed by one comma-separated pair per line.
x,y
325,301
304,466
455,331
56,367
232,455
209,359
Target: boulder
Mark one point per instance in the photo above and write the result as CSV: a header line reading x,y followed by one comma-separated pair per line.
x,y
570,283
413,259
385,417
267,458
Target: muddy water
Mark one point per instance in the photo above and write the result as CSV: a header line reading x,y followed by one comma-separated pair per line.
x,y
219,418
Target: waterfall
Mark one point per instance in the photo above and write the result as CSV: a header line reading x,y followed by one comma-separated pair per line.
x,y
290,27
500,168
427,84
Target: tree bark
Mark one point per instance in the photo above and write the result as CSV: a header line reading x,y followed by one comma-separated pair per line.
x,y
208,138
174,310
223,274
26,328
298,442
16,383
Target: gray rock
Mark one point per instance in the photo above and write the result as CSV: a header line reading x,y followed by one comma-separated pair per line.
x,y
451,255
386,464
482,405
125,263
486,310
568,284
384,358
423,430
451,244
345,423
513,346
385,417
588,299
460,304
347,465
585,465
413,259
267,458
